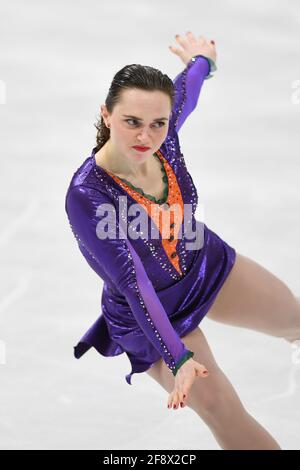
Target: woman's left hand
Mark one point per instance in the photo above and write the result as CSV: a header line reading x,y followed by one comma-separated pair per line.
x,y
192,45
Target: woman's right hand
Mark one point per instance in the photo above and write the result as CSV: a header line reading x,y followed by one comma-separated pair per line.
x,y
184,379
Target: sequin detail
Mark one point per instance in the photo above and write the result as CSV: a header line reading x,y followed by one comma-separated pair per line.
x,y
178,108
155,211
136,292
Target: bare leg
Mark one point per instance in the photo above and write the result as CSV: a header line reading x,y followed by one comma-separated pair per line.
x,y
233,427
295,335
252,297
215,400
248,434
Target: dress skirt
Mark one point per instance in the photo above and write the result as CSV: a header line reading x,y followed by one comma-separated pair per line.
x,y
186,303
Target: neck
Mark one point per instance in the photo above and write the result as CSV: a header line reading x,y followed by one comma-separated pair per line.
x,y
122,165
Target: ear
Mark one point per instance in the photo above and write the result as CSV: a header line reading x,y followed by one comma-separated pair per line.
x,y
103,109
104,112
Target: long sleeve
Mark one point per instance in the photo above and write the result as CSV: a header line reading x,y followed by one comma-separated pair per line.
x,y
120,262
187,86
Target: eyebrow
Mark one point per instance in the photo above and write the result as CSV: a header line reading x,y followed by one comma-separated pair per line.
x,y
139,119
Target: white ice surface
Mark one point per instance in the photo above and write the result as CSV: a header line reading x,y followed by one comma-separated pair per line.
x,y
241,145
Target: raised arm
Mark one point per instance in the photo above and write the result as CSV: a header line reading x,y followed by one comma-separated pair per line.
x,y
122,265
199,58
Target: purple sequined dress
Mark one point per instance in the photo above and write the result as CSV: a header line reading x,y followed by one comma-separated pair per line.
x,y
147,304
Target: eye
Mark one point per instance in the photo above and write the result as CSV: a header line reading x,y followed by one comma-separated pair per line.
x,y
127,120
158,122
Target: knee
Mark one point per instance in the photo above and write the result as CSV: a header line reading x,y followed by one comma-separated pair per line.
x,y
291,332
216,404
293,339
292,335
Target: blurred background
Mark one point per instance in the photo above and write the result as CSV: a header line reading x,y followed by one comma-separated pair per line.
x,y
241,144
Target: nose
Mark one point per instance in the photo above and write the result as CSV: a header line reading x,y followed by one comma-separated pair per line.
x,y
143,137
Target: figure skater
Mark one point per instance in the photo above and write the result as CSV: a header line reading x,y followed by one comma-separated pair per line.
x,y
159,285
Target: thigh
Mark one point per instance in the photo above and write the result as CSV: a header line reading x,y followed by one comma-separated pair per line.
x,y
254,298
207,395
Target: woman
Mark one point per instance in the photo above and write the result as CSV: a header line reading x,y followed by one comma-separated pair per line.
x,y
158,288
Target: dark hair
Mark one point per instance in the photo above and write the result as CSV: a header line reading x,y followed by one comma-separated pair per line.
x,y
139,76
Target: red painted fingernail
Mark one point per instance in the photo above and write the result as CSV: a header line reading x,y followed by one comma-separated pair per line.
x,y
174,406
181,404
184,396
213,42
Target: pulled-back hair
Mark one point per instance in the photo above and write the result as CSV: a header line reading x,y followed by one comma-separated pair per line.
x,y
138,76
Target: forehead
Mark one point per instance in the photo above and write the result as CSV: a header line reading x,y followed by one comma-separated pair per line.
x,y
135,101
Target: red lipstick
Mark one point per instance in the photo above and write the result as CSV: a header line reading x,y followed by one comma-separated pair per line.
x,y
140,149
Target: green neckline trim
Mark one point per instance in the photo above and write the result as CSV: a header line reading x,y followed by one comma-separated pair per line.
x,y
149,196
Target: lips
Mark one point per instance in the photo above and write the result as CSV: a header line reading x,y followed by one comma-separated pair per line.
x,y
141,149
